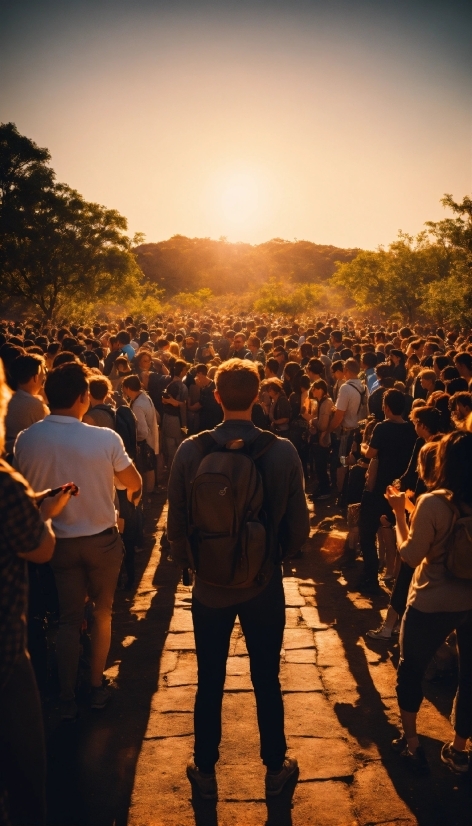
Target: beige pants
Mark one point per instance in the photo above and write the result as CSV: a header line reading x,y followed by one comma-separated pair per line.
x,y
85,565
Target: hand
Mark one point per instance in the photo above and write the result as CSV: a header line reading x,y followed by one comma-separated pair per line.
x,y
53,505
396,499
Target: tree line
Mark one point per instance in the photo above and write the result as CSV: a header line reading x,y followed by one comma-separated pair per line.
x,y
60,254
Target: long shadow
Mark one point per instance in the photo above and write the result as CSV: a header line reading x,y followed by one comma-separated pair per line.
x,y
436,800
92,763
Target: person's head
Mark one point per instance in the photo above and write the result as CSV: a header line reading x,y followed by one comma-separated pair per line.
x,y
427,463
397,357
143,360
237,385
122,365
368,360
427,421
439,364
337,370
280,354
271,368
393,403
463,362
428,380
461,406
123,337
274,387
28,373
292,369
336,338
131,387
315,369
319,389
99,387
351,369
201,375
454,465
67,389
64,357
253,344
179,369
239,342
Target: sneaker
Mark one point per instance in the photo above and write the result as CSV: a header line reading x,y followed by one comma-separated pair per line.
x,y
205,783
100,697
381,633
275,781
399,744
458,761
416,762
69,711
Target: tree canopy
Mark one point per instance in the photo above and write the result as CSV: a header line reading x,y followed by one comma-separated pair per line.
x,y
54,245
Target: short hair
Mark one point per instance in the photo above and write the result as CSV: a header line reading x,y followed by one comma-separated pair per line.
x,y
254,341
64,357
179,366
132,382
320,384
337,366
64,385
201,368
428,416
273,365
99,387
369,360
316,366
123,337
465,359
456,386
337,335
237,382
428,375
395,401
383,370
24,368
463,398
274,384
352,366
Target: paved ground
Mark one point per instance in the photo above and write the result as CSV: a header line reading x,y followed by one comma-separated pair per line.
x,y
126,765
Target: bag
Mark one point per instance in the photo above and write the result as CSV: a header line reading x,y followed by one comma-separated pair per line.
x,y
458,544
363,410
157,383
227,534
124,423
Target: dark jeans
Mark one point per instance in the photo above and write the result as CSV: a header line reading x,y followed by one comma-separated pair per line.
x,y
22,748
262,622
321,460
130,535
420,637
373,506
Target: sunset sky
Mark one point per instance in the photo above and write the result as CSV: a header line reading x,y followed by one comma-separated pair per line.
x,y
334,121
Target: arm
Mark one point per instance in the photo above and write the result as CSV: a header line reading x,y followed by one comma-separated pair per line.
x,y
44,551
337,420
130,478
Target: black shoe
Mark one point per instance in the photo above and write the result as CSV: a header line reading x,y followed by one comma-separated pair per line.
x,y
416,762
399,744
369,587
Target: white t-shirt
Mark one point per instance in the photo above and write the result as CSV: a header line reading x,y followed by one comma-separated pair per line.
x,y
145,413
62,449
349,399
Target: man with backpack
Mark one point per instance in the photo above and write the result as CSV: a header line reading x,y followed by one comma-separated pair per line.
x,y
236,508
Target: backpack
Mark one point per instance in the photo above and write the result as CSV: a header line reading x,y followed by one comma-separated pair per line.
x,y
227,533
156,385
362,410
458,543
124,423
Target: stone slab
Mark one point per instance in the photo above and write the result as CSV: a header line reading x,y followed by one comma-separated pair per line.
x,y
180,642
239,682
323,804
168,661
169,725
338,680
300,655
327,758
167,700
161,789
312,618
292,617
329,648
298,638
185,673
310,715
300,677
181,621
236,666
385,805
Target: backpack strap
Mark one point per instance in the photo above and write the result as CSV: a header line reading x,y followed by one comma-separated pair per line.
x,y
261,444
108,409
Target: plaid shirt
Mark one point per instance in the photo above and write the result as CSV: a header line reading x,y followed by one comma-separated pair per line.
x,y
21,529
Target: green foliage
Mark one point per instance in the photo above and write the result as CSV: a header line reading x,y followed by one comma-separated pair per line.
x,y
276,296
54,245
193,301
188,264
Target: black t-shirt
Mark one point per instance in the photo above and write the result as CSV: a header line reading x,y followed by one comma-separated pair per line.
x,y
394,442
211,413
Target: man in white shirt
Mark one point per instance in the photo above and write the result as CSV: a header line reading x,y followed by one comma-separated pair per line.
x,y
89,550
351,408
147,428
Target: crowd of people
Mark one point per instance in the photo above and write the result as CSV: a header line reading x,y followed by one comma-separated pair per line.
x,y
94,416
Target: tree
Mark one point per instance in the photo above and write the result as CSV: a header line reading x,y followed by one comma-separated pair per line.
x,y
276,296
53,243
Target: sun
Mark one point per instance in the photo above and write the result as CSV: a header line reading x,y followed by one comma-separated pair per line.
x,y
238,200
241,197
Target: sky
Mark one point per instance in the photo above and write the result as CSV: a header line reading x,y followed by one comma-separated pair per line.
x,y
334,121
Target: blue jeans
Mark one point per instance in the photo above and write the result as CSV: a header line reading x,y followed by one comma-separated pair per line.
x,y
262,622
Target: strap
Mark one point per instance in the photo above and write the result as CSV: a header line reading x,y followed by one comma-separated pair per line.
x,y
261,444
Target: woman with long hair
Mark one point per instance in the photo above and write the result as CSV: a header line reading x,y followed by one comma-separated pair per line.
x,y
438,602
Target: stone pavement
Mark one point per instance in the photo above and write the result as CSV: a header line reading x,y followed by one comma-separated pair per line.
x,y
340,712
